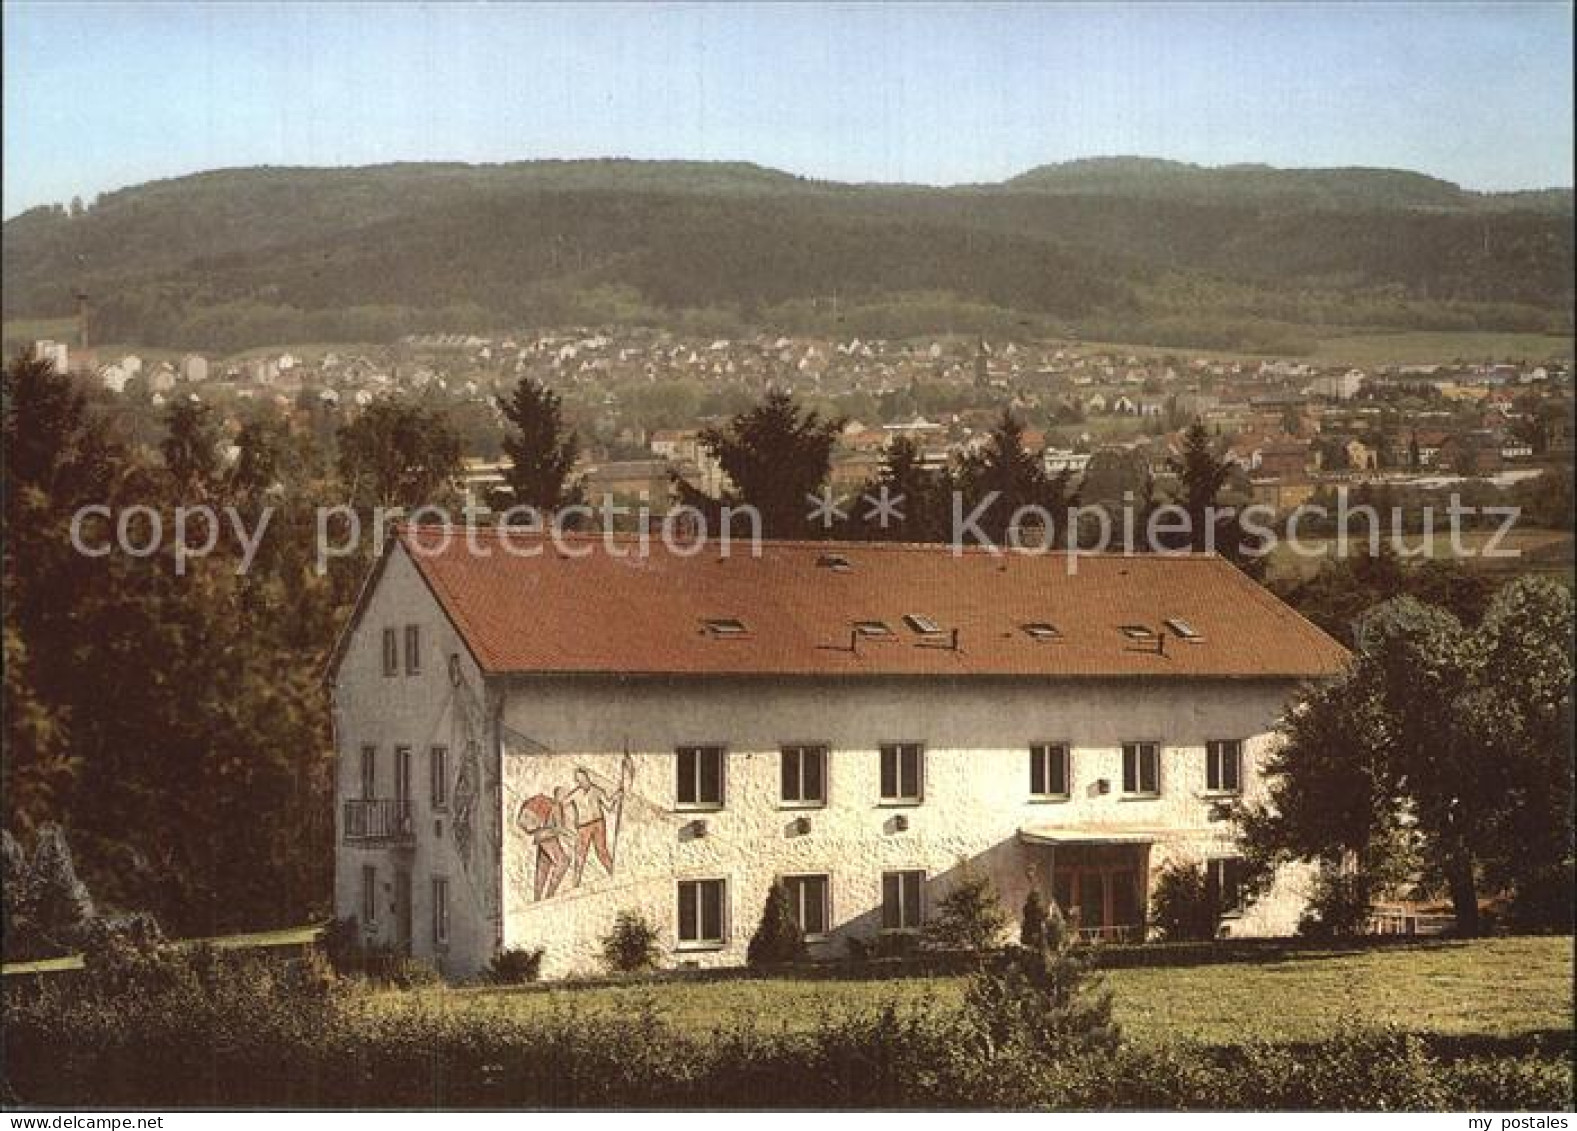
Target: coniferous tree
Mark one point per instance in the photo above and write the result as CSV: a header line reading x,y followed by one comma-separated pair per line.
x,y
777,458
779,937
541,449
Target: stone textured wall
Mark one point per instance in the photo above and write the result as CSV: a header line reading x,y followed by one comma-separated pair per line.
x,y
977,734
420,711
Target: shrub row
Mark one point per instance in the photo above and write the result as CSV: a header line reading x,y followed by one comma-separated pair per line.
x,y
218,1030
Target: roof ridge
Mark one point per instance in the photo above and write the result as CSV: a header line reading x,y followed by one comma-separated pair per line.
x,y
831,544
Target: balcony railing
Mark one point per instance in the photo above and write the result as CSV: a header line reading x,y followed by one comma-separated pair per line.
x,y
379,820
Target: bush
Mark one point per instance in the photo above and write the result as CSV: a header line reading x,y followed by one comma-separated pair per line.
x,y
1032,921
631,946
778,937
515,966
1182,907
1340,906
48,910
969,917
349,955
1044,1000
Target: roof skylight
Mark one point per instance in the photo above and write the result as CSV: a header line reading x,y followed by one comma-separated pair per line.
x,y
1041,630
726,627
872,628
923,625
1183,629
1138,632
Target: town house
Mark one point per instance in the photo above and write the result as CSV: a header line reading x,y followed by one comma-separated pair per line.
x,y
535,735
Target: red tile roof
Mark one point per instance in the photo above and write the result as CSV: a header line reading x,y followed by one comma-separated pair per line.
x,y
616,611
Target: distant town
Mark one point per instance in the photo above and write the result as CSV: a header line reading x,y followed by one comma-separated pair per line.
x,y
1110,418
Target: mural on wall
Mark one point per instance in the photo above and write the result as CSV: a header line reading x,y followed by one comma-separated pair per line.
x,y
573,824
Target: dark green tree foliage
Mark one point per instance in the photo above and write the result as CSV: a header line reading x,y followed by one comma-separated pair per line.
x,y
779,937
1183,908
1032,921
48,909
630,946
173,724
190,448
970,916
1042,1000
777,457
399,454
1003,477
541,450
921,495
1467,733
1343,589
1201,477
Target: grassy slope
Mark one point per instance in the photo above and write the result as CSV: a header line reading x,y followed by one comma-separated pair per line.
x,y
1491,987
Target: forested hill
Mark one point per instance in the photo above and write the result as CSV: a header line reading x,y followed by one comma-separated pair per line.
x,y
1127,248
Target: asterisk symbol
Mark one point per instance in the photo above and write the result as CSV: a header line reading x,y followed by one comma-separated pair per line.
x,y
825,509
884,507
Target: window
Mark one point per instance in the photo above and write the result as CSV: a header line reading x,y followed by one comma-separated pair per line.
x,y
402,773
1183,629
901,910
391,652
1224,877
700,777
438,769
901,772
809,897
726,627
413,649
873,629
804,775
925,626
1224,766
1141,769
701,912
1137,632
835,562
1041,630
369,772
369,894
440,910
1048,770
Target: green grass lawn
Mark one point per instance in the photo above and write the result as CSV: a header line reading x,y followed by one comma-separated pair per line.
x,y
1496,988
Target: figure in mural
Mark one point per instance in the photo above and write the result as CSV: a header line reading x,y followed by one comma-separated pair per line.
x,y
543,818
589,806
465,790
572,825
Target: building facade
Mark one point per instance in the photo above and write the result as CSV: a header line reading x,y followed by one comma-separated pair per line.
x,y
528,746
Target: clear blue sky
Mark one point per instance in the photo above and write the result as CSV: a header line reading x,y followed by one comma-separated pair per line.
x,y
101,96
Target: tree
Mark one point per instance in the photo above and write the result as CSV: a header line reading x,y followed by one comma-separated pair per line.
x,y
1447,742
1201,475
970,916
1043,1000
1183,907
190,447
1004,477
920,494
777,457
398,454
541,450
778,936
1032,921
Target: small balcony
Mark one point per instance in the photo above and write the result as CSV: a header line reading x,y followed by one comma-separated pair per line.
x,y
370,821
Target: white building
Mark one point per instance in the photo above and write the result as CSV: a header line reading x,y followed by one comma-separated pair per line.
x,y
56,353
531,739
194,367
1339,386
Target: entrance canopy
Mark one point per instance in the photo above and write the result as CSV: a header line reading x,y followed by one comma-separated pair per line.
x,y
1115,834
